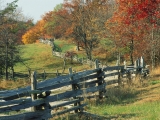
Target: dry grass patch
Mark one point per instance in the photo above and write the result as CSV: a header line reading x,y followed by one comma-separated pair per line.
x,y
156,72
150,93
10,84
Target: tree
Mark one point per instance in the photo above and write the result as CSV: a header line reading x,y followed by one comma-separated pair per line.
x,y
34,33
9,34
86,22
56,22
149,11
6,27
81,22
131,24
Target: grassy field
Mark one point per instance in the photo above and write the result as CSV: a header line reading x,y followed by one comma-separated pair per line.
x,y
129,103
39,57
64,45
138,102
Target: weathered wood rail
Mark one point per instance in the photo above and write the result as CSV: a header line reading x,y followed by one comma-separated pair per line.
x,y
50,95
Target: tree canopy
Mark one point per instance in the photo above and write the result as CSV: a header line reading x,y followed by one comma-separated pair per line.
x,y
131,25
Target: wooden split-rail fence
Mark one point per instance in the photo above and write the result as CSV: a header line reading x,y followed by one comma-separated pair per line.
x,y
63,55
75,58
60,95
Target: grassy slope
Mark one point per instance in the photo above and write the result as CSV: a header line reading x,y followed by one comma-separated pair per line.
x,y
64,45
39,57
137,103
132,103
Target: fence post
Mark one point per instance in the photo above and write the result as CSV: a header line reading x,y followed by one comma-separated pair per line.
x,y
96,64
138,66
12,73
74,86
125,65
29,73
135,68
119,75
139,63
100,79
44,74
142,62
33,87
57,73
135,64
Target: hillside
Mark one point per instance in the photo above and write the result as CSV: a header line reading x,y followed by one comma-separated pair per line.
x,y
39,57
131,103
136,102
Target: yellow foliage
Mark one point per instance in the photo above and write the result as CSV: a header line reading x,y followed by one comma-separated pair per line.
x,y
34,33
30,37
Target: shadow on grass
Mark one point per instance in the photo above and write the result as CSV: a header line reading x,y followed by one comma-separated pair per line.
x,y
121,96
57,48
97,117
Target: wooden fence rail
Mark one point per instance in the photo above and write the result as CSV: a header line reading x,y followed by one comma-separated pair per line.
x,y
47,97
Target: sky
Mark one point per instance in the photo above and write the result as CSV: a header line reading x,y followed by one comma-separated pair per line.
x,y
36,8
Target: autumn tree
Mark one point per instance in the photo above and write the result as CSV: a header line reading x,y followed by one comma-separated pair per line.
x,y
22,24
83,22
148,11
86,22
130,25
56,22
34,33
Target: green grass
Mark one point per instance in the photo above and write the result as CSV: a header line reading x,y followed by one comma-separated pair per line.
x,y
39,57
64,45
36,56
145,111
128,103
154,82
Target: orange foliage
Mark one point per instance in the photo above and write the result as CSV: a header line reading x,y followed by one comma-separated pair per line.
x,y
34,33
